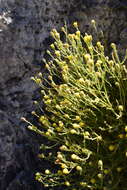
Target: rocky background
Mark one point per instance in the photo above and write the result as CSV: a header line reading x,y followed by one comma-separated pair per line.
x,y
24,36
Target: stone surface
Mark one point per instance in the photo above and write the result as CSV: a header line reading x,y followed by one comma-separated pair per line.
x,y
24,36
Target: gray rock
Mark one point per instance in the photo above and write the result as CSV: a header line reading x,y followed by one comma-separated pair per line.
x,y
24,36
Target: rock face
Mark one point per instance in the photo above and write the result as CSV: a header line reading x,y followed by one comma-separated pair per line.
x,y
24,36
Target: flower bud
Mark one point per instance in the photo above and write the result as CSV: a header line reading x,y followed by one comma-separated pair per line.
x,y
47,172
74,157
59,156
83,184
76,126
99,44
73,131
63,148
65,171
119,169
87,38
106,171
61,124
113,45
111,147
77,118
100,164
125,129
100,176
78,168
67,183
52,46
120,108
87,56
92,180
75,24
93,22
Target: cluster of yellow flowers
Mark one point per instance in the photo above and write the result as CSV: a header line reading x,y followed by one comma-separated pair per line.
x,y
85,114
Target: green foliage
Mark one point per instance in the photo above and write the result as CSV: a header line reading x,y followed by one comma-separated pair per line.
x,y
85,120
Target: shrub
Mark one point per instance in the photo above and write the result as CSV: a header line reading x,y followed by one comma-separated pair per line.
x,y
85,119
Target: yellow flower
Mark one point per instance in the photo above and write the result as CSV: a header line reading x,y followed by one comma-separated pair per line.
x,y
87,38
57,53
70,57
81,124
63,165
42,118
65,68
38,81
71,36
55,34
46,97
77,118
78,33
48,101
